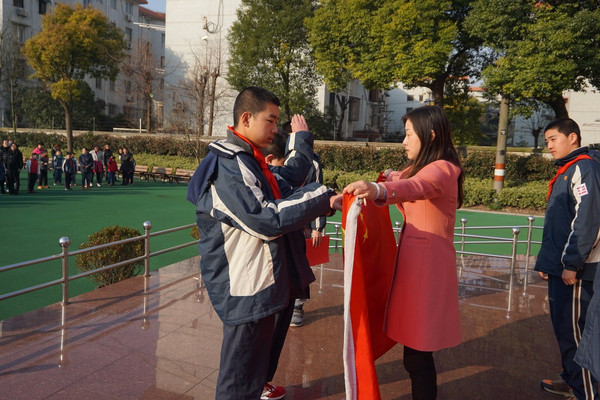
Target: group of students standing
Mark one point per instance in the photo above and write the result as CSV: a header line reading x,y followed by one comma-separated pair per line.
x,y
97,162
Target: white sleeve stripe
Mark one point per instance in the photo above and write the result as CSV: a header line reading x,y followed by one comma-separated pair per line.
x,y
220,206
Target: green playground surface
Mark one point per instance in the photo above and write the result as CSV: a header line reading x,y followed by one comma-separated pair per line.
x,y
32,225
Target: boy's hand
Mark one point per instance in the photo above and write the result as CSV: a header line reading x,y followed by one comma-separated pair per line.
x,y
298,123
335,202
316,238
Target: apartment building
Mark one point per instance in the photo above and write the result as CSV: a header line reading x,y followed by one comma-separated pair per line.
x,y
144,33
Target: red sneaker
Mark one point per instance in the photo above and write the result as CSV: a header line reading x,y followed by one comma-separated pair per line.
x,y
272,392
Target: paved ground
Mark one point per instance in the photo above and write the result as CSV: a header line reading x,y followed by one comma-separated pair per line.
x,y
159,338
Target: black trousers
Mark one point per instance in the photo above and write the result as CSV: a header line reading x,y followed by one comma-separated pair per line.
x,y
250,354
423,377
12,180
568,308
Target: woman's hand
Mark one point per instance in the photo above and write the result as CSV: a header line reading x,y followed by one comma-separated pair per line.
x,y
363,190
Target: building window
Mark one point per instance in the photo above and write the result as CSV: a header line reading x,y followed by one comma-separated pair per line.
x,y
111,85
128,34
409,109
20,31
19,3
162,61
410,97
162,83
113,109
113,4
86,2
129,8
42,8
127,87
98,83
354,113
162,39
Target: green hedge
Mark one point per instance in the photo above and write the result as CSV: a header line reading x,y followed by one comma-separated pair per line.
x,y
519,169
481,192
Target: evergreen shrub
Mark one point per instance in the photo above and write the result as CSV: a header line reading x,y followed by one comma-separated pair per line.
x,y
111,255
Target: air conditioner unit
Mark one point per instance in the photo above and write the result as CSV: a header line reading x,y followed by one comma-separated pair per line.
x,y
22,12
129,45
129,17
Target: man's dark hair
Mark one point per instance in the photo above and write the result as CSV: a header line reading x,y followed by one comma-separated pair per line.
x,y
565,126
253,99
277,148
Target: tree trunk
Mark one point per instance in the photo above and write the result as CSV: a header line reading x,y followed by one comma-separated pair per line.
x,y
559,105
148,113
437,89
68,125
343,106
212,99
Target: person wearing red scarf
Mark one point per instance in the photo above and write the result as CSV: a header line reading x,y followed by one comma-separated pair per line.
x,y
252,246
570,253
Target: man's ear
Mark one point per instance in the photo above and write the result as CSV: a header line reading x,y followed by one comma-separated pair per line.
x,y
573,139
245,118
432,135
269,159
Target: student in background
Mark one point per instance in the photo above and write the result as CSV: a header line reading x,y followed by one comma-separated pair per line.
x,y
57,162
32,167
69,168
44,164
111,168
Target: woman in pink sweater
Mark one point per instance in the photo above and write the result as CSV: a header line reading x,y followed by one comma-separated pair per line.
x,y
422,311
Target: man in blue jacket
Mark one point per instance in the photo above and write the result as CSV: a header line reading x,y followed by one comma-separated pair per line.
x,y
252,246
570,252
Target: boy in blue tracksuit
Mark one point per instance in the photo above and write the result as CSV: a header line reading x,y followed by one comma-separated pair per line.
x,y
252,246
570,251
302,166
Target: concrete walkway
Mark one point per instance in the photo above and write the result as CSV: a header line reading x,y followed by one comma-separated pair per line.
x,y
159,338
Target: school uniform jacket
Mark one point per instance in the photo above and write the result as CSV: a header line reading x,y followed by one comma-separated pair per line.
x,y
422,311
302,166
572,224
251,245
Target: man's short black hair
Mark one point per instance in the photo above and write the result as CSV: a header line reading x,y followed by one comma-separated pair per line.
x,y
253,99
565,126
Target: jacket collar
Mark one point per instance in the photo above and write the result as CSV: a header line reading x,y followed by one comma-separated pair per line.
x,y
572,155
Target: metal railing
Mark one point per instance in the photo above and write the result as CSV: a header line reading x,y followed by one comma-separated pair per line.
x,y
461,236
65,242
335,245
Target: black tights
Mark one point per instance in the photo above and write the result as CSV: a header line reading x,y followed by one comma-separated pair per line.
x,y
421,368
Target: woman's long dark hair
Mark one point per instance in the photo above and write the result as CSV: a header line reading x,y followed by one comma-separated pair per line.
x,y
426,120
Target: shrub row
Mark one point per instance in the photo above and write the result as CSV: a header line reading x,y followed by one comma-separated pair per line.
x,y
519,169
163,146
531,195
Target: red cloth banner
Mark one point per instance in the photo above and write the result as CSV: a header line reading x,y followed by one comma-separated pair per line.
x,y
369,259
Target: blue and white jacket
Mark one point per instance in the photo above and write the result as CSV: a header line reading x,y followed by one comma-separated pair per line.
x,y
572,225
252,246
302,166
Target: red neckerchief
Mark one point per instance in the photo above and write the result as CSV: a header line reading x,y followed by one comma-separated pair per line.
x,y
563,169
260,158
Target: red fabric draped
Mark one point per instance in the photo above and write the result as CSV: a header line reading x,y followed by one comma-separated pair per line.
x,y
260,158
370,271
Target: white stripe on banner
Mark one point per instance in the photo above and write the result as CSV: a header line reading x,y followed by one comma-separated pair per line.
x,y
349,245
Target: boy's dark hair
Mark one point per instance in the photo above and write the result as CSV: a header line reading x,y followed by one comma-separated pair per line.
x,y
277,148
565,126
253,99
287,127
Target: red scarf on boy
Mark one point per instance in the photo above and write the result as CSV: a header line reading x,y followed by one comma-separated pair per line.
x,y
260,158
563,169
